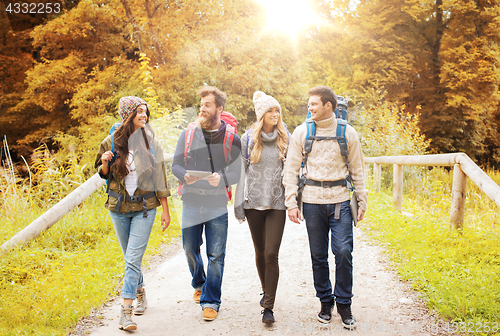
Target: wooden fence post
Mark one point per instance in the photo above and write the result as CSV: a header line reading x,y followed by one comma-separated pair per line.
x,y
377,171
397,194
458,195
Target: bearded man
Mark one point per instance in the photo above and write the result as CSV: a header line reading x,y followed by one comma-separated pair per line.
x,y
205,172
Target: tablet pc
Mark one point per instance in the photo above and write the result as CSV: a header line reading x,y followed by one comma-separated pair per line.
x,y
199,173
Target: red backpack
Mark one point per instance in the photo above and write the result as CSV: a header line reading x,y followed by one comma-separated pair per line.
x,y
231,131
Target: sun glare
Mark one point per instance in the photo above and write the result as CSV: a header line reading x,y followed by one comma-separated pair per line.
x,y
289,16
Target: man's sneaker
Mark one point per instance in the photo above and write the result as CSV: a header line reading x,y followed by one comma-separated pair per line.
x,y
126,322
344,310
209,314
197,295
325,315
142,303
262,300
267,316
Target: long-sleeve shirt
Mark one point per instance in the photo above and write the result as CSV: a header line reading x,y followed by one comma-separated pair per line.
x,y
325,163
207,150
260,186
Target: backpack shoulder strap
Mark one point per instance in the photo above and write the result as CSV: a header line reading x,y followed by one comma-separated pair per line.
x,y
308,142
249,144
342,139
228,141
188,140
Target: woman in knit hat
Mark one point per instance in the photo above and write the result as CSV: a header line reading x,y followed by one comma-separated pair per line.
x,y
131,160
260,195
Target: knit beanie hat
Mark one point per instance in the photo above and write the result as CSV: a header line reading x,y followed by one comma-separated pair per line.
x,y
128,105
263,103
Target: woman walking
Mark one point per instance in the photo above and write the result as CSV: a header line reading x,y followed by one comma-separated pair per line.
x,y
260,195
131,160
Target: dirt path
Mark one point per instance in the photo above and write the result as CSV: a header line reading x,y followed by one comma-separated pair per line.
x,y
382,304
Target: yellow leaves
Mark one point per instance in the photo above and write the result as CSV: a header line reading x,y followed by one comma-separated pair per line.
x,y
388,130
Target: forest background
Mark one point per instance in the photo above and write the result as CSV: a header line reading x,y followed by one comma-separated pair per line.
x,y
422,77
435,62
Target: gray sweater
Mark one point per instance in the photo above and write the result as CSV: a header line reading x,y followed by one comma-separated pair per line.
x,y
261,184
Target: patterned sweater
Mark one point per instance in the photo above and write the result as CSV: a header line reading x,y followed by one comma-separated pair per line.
x,y
325,163
260,186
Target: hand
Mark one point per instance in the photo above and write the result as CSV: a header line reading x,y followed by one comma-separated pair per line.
x,y
165,220
361,214
214,179
190,179
294,215
106,157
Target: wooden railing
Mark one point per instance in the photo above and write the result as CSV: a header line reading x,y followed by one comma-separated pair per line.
x,y
463,167
58,211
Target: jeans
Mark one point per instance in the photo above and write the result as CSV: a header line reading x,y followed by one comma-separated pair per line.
x,y
214,221
319,222
132,231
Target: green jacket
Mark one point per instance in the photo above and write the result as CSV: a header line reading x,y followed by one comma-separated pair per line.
x,y
154,180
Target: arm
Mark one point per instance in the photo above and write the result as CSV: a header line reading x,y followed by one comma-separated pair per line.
x,y
292,168
165,216
356,167
160,176
178,168
103,157
239,212
291,175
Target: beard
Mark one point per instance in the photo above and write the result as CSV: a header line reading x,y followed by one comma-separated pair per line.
x,y
208,122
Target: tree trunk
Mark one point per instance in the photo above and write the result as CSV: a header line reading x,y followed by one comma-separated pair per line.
x,y
131,18
153,33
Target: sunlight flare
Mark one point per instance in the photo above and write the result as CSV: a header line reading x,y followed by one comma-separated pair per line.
x,y
289,16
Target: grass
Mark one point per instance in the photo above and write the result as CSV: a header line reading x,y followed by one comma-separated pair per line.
x,y
48,285
457,270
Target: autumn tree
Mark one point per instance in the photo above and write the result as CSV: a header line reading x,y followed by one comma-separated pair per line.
x,y
438,58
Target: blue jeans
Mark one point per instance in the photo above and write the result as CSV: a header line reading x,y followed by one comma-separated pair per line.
x,y
214,221
132,231
320,222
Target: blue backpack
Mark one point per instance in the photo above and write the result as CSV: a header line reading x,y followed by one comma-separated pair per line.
x,y
341,115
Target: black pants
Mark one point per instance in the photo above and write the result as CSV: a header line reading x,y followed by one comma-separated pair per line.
x,y
267,228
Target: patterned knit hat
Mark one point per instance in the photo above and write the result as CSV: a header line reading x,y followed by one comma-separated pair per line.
x,y
128,105
263,103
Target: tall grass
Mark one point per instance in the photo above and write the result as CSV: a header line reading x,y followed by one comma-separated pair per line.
x,y
49,284
457,270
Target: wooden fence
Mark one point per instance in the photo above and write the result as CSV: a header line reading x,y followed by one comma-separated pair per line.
x,y
58,211
463,167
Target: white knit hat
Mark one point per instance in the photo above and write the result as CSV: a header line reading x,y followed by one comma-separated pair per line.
x,y
263,103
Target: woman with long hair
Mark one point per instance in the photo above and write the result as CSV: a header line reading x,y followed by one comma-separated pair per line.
x,y
260,195
131,160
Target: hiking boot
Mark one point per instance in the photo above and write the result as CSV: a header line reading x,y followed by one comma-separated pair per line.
x,y
262,300
344,310
209,314
267,316
142,303
126,322
197,295
325,315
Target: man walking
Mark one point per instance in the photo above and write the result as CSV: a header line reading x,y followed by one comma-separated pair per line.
x,y
207,163
325,198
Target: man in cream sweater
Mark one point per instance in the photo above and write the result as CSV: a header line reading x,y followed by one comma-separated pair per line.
x,y
326,204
